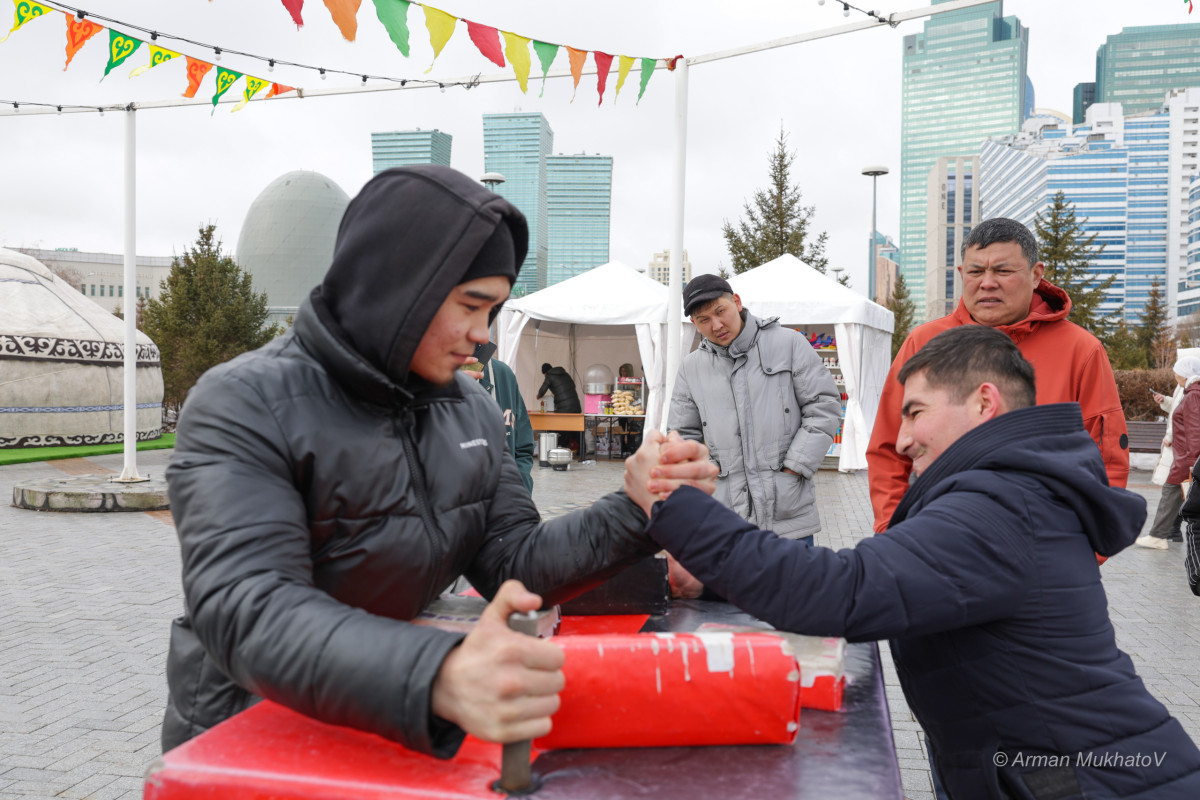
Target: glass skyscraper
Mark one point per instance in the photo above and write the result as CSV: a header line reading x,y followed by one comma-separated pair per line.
x,y
964,79
517,146
405,148
1138,66
1129,181
579,200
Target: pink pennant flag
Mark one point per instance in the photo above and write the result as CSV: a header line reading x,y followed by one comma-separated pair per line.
x,y
487,40
293,7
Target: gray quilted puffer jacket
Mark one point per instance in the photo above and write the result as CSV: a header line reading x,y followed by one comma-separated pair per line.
x,y
764,403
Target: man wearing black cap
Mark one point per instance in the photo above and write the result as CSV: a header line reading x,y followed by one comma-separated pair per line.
x,y
328,486
758,396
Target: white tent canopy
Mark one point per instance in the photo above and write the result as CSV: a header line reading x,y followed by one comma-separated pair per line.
x,y
609,315
800,296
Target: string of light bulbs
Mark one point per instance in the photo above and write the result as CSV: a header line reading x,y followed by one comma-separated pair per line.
x,y
218,51
874,14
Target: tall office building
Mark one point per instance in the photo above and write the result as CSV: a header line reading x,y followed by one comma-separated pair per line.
x,y
405,148
578,205
1083,97
953,209
660,269
964,80
1189,302
1129,180
1138,66
517,146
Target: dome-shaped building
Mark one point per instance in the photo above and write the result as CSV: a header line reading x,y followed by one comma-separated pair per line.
x,y
62,364
287,238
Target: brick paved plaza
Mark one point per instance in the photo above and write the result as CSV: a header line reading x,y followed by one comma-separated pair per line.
x,y
86,600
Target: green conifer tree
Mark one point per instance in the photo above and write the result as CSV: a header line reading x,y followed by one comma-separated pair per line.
x,y
904,313
1069,257
776,223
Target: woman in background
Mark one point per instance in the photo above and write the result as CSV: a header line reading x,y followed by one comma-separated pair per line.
x,y
1181,446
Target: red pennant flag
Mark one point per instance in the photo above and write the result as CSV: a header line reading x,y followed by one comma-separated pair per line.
x,y
487,40
603,64
196,70
77,35
577,58
279,88
293,7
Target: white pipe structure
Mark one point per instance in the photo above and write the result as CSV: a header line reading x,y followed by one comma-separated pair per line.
x,y
675,268
129,474
675,311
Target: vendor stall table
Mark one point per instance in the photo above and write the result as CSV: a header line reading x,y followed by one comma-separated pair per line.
x,y
550,421
271,752
612,432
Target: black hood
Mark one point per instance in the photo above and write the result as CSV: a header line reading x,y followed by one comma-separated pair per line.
x,y
405,241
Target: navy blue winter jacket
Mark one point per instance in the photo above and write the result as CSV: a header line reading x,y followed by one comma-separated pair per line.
x,y
987,585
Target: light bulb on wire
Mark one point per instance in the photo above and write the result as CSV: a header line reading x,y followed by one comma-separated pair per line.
x,y
845,10
216,54
322,71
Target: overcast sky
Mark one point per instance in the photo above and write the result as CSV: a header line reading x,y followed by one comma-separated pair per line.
x,y
837,99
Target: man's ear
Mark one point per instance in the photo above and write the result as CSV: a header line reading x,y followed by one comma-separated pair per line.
x,y
987,402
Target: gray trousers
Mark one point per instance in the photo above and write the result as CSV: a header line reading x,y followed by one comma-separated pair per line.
x,y
1166,520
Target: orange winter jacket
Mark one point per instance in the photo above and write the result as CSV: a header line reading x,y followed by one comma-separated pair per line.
x,y
1070,366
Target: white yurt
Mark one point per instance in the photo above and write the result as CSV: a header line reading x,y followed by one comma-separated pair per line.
x,y
61,364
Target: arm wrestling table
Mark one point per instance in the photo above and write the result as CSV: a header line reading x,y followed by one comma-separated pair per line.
x,y
271,752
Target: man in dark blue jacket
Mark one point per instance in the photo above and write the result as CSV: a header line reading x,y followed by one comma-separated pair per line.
x,y
986,585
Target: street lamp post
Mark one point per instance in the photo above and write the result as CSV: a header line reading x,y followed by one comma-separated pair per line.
x,y
491,180
874,173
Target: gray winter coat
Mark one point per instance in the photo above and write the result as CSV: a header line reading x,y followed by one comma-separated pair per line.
x,y
323,496
764,403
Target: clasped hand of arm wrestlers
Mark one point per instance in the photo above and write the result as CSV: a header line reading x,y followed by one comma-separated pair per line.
x,y
503,686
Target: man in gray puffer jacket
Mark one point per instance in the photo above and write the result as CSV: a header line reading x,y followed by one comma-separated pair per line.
x,y
329,485
757,394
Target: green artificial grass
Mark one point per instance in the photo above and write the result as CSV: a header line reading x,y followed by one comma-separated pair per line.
x,y
22,455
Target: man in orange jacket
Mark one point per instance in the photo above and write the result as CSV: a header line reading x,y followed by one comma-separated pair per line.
x,y
1003,289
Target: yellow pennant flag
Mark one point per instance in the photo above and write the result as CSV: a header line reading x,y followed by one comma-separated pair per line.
x,y
26,10
626,63
517,49
157,56
253,87
441,28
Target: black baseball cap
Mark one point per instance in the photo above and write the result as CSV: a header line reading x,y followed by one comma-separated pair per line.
x,y
703,289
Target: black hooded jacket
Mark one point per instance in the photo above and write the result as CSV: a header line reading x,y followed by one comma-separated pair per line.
x,y
323,496
986,583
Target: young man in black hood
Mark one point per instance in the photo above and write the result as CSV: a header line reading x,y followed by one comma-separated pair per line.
x,y
328,486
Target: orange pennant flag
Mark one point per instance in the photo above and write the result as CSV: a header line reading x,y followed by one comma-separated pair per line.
x,y
196,70
577,58
77,35
345,16
279,88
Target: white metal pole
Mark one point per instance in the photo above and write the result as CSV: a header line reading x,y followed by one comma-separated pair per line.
x,y
675,281
874,240
130,474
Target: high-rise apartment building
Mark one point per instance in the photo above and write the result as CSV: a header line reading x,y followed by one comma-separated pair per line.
x,y
1129,181
517,146
660,269
405,148
1189,302
579,201
953,209
964,79
1138,66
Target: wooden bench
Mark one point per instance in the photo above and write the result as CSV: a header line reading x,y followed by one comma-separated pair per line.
x,y
1146,437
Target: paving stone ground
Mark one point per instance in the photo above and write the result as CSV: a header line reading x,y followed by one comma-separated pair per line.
x,y
86,601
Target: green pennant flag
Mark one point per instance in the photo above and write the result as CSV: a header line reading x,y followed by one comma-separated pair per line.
x,y
394,16
647,71
545,53
225,79
120,47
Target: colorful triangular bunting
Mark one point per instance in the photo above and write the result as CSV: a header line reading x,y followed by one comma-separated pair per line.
x,y
546,53
278,89
647,70
487,40
77,35
624,64
158,55
293,7
578,57
603,65
441,28
196,70
394,16
225,79
517,50
253,87
26,11
345,16
120,48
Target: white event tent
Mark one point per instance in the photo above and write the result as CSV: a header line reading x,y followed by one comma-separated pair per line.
x,y
609,315
800,296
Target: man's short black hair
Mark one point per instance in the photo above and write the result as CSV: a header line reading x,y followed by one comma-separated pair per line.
x,y
546,368
961,359
998,230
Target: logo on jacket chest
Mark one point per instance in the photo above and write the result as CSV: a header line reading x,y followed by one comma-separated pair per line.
x,y
473,443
